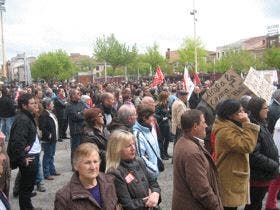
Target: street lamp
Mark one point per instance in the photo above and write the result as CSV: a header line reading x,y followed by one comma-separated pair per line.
x,y
2,9
194,12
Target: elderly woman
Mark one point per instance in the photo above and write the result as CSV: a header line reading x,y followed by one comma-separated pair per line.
x,y
136,188
236,137
93,132
48,124
88,188
146,139
264,160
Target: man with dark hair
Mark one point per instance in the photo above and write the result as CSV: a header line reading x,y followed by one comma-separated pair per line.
x,y
24,149
60,113
195,184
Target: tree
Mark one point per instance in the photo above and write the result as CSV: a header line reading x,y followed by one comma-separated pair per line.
x,y
272,57
110,50
53,66
153,57
186,52
239,61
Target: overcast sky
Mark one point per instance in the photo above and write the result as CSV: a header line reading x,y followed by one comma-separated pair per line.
x,y
36,26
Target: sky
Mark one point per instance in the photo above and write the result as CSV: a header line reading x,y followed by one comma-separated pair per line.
x,y
38,26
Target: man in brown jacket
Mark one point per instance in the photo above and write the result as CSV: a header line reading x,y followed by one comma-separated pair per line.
x,y
195,184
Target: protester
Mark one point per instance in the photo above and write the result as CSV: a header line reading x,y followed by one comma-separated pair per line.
x,y
195,184
126,118
146,139
178,108
24,149
274,187
136,188
274,110
75,110
5,175
60,113
7,112
93,132
162,115
48,124
88,188
195,97
236,137
264,159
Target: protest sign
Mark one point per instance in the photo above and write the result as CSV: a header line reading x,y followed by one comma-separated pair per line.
x,y
259,85
230,85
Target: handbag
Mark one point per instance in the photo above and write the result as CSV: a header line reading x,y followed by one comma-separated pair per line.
x,y
160,164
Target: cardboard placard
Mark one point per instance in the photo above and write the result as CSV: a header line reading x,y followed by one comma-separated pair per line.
x,y
259,85
230,85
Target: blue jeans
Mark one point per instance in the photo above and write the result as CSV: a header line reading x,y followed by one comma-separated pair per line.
x,y
5,125
48,158
39,176
75,141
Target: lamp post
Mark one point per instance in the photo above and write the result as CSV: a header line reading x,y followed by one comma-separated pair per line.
x,y
2,9
193,13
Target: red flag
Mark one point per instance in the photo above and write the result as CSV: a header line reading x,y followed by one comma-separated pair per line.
x,y
158,78
196,79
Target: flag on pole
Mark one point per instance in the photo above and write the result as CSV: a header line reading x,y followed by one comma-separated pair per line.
x,y
158,78
196,79
188,85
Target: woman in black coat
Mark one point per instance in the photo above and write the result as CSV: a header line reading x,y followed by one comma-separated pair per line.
x,y
264,159
93,132
136,188
48,124
162,115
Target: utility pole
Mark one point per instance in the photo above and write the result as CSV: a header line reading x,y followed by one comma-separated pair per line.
x,y
193,13
2,9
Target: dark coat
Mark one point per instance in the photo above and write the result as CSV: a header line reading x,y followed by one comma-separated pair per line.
x,y
162,115
195,184
7,107
23,134
73,196
74,112
273,115
264,160
60,108
95,136
194,100
47,126
131,195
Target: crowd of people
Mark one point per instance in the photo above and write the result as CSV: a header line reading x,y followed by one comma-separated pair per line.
x,y
119,133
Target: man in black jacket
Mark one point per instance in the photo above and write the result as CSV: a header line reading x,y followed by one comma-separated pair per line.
x,y
24,149
60,113
75,110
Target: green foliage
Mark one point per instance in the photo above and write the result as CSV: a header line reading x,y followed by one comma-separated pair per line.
x,y
53,66
272,57
187,50
110,50
240,61
153,57
86,63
